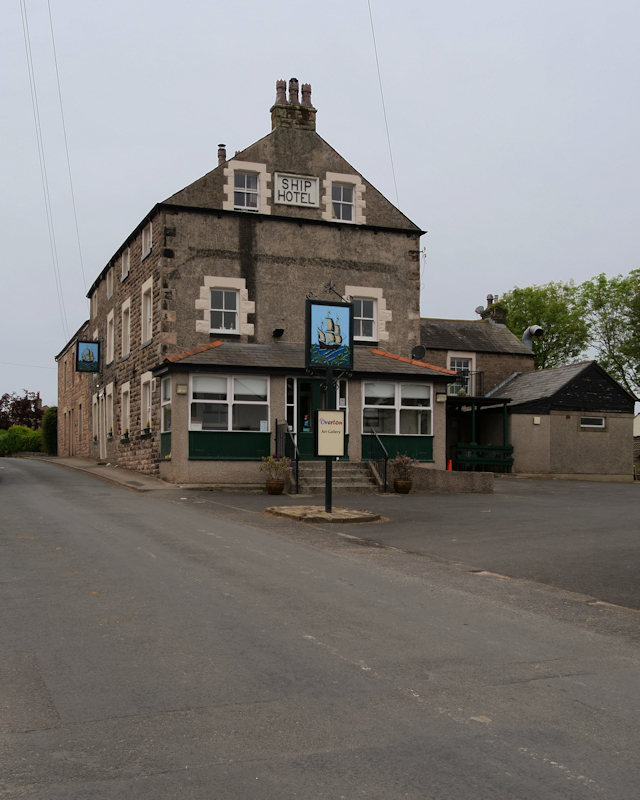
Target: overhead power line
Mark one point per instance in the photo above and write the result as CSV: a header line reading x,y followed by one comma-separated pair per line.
x,y
384,110
66,147
31,366
43,169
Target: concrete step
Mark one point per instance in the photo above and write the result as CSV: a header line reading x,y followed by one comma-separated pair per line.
x,y
348,478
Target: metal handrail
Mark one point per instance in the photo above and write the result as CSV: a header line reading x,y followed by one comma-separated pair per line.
x,y
286,448
379,457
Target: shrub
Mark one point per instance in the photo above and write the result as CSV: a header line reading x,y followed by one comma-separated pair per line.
x,y
50,431
404,466
19,439
276,468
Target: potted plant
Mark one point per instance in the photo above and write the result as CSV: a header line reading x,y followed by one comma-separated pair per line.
x,y
147,427
403,466
125,434
276,470
110,434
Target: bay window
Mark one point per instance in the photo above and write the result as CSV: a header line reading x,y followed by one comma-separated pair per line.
x,y
229,403
397,408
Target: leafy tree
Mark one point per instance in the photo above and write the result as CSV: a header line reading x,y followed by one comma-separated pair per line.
x,y
17,410
613,312
50,431
559,308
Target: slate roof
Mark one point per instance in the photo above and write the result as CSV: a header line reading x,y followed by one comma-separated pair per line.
x,y
81,330
236,355
478,336
526,387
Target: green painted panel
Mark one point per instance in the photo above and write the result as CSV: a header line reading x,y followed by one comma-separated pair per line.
x,y
420,447
165,445
228,446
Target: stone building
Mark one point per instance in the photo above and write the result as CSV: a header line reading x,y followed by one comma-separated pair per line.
x,y
74,411
200,315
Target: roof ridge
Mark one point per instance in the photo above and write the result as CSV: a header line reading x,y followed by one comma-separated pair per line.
x,y
424,364
193,352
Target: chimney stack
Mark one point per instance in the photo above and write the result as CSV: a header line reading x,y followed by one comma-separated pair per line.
x,y
493,312
292,113
222,154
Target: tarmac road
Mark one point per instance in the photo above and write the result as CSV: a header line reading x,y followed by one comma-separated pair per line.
x,y
155,647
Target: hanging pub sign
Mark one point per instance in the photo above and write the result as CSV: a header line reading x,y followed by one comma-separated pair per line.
x,y
329,434
88,357
329,338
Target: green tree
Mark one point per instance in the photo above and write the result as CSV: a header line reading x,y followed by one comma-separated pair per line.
x,y
50,431
613,313
559,309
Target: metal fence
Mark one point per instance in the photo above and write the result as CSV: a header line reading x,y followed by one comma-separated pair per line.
x,y
379,457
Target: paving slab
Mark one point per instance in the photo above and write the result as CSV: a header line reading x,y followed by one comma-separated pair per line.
x,y
318,514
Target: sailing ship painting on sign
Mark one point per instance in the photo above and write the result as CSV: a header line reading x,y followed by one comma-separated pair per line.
x,y
88,357
329,339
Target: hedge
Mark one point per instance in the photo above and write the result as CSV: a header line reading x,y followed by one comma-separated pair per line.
x,y
19,439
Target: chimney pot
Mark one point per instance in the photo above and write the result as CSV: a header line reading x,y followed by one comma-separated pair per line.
x,y
306,94
293,92
222,154
281,92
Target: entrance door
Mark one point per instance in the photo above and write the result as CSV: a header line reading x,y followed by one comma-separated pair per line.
x,y
312,395
102,426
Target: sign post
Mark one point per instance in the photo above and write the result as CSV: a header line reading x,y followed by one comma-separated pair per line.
x,y
329,345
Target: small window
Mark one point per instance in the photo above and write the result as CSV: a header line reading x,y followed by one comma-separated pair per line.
x,y
364,319
125,264
94,305
229,404
146,240
593,422
110,283
391,408
145,405
342,201
147,313
126,328
224,311
109,400
110,337
245,191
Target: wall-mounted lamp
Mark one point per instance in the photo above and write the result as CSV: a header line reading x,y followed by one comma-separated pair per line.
x,y
278,333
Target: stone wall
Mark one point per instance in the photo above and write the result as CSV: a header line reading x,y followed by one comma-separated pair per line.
x,y
74,408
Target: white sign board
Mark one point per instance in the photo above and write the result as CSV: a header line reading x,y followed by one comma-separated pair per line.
x,y
295,190
330,433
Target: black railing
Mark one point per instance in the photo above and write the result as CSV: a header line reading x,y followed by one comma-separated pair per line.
x,y
286,448
481,456
379,457
467,384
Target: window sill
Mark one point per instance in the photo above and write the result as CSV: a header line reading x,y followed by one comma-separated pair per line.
x,y
146,255
232,334
146,344
365,342
125,440
124,358
124,277
144,435
109,363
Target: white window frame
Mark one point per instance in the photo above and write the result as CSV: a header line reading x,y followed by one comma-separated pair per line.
x,y
383,314
230,402
125,408
223,330
125,263
108,392
125,339
109,283
362,337
146,401
111,337
340,203
593,427
146,314
245,306
264,185
94,304
397,405
146,243
471,358
254,193
359,203
165,402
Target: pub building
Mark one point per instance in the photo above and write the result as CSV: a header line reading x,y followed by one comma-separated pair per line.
x,y
200,318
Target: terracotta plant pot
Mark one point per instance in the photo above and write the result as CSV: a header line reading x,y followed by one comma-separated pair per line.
x,y
274,487
402,487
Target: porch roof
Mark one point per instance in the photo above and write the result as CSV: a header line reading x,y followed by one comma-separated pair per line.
x,y
290,358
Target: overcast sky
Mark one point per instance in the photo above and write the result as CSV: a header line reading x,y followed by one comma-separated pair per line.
x,y
514,128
